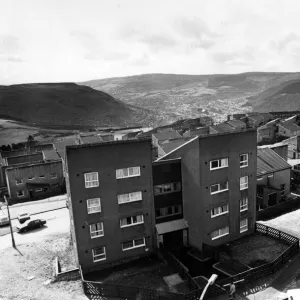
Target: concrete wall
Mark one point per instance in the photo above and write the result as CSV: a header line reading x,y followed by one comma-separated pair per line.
x,y
34,171
197,179
105,159
265,134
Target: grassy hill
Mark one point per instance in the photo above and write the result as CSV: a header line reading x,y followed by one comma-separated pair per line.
x,y
67,105
285,96
172,96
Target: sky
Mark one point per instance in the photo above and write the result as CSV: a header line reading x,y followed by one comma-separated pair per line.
x,y
80,40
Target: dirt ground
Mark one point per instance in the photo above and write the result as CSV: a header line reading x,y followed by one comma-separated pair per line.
x,y
36,259
256,249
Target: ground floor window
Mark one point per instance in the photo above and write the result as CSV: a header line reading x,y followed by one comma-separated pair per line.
x,y
20,193
219,233
99,254
243,225
131,244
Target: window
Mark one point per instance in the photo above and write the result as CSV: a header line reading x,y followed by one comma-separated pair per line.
x,y
244,204
91,180
282,189
20,193
221,210
19,181
168,211
219,233
96,230
243,225
244,183
218,188
99,254
53,176
130,221
93,205
30,178
128,245
42,176
38,190
243,160
130,197
218,164
167,188
128,172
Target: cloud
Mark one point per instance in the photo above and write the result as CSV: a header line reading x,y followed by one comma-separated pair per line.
x,y
158,42
10,58
283,43
241,57
9,44
144,60
96,50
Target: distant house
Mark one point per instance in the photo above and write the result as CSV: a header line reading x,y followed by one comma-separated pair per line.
x,y
235,116
268,131
273,178
220,128
131,135
255,120
284,114
237,124
88,139
107,137
196,132
288,129
295,175
163,135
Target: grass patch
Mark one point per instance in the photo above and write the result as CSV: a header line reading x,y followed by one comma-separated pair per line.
x,y
255,248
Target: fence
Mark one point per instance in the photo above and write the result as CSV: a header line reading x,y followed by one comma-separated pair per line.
x,y
99,290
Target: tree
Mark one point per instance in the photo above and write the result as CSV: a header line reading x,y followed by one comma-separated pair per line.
x,y
30,141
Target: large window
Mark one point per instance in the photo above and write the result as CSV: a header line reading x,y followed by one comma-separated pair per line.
x,y
91,180
128,172
219,233
243,225
244,204
130,221
221,210
168,211
131,244
96,230
244,183
167,188
93,205
130,197
243,160
99,254
218,163
218,187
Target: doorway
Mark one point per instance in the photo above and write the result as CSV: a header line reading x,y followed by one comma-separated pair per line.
x,y
272,199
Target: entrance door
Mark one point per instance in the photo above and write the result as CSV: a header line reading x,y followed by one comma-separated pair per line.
x,y
272,199
173,239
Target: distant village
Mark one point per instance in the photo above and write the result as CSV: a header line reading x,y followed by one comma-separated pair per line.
x,y
194,183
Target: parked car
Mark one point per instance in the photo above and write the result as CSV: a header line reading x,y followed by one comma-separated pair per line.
x,y
4,220
23,217
31,224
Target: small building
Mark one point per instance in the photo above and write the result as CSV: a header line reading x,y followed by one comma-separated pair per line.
x,y
288,129
88,139
255,120
273,178
237,124
279,148
221,128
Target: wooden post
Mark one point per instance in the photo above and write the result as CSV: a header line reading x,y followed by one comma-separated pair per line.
x,y
11,231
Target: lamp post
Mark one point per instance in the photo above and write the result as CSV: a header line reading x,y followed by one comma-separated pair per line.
x,y
11,231
210,281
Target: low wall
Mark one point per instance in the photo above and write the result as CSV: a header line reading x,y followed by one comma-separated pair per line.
x,y
278,209
69,275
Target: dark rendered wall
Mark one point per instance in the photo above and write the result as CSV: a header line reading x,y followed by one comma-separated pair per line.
x,y
105,159
197,179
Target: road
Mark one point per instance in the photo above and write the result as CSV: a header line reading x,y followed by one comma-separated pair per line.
x,y
57,221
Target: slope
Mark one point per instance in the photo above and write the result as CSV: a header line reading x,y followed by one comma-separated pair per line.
x,y
66,104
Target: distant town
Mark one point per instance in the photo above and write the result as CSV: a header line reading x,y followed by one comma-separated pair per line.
x,y
191,204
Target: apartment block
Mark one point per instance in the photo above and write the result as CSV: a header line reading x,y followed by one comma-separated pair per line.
x,y
110,193
218,186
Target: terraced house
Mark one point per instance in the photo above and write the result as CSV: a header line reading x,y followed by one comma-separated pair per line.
x,y
123,205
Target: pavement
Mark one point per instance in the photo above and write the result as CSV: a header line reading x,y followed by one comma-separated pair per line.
x,y
34,208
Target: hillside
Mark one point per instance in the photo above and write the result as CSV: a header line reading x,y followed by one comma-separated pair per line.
x,y
173,96
67,105
285,96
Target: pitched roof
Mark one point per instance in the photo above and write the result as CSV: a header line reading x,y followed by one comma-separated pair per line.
x,y
256,117
166,135
90,139
269,161
50,155
236,123
60,145
170,145
223,127
290,126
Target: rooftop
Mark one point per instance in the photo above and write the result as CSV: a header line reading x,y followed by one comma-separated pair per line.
x,y
50,155
269,161
170,145
290,126
223,127
90,139
236,123
167,134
